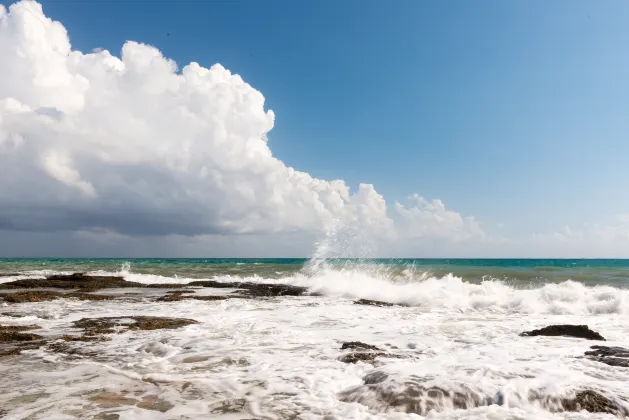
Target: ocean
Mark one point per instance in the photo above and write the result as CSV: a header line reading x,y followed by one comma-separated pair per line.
x,y
441,339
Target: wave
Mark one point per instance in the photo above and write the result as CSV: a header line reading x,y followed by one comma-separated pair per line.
x,y
414,288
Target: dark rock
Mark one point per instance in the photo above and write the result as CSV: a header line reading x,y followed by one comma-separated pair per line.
x,y
372,302
358,345
367,357
375,377
13,328
7,336
578,331
613,356
381,393
175,297
45,295
72,281
30,296
95,326
14,341
593,402
88,296
255,289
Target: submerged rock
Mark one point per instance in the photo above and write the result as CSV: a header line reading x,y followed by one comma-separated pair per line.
x,y
372,302
255,289
613,356
177,296
94,326
45,295
420,395
358,345
367,357
593,402
30,296
380,392
71,281
14,340
578,331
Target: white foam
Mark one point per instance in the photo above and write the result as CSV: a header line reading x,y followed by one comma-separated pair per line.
x,y
278,358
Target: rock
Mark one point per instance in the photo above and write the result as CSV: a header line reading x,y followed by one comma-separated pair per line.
x,y
94,326
410,395
71,281
14,341
7,336
593,402
30,296
358,345
255,289
45,295
372,302
613,356
9,328
367,357
177,296
578,331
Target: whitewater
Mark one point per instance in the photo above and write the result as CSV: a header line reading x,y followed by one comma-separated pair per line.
x,y
451,349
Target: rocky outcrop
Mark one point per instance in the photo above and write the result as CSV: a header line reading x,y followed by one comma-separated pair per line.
x,y
419,395
358,345
255,289
613,356
13,339
177,296
44,295
578,331
94,326
372,302
593,402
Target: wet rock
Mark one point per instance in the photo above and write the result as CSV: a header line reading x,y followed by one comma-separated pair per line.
x,y
578,331
46,295
372,302
255,289
593,402
14,341
382,393
95,326
613,356
367,357
8,336
88,296
30,296
12,328
70,281
358,345
177,296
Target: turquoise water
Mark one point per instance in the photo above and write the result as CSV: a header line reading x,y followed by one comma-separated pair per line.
x,y
517,271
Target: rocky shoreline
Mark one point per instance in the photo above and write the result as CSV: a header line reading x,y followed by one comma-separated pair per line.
x,y
378,390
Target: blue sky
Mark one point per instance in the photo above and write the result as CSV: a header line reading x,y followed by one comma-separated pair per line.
x,y
514,112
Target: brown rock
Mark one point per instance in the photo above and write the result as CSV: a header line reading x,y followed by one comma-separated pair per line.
x,y
358,345
372,302
578,331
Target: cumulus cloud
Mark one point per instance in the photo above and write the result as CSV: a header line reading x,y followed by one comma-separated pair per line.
x,y
598,240
136,146
99,154
431,219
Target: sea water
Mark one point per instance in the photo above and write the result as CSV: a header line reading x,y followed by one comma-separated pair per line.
x,y
454,334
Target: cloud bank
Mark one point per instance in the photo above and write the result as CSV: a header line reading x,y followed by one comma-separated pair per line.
x,y
102,150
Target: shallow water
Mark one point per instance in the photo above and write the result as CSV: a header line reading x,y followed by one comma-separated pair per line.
x,y
278,358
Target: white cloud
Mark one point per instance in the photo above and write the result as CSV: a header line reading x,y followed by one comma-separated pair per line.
x,y
133,146
610,240
100,154
431,219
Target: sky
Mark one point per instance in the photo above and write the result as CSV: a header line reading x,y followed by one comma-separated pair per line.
x,y
268,128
